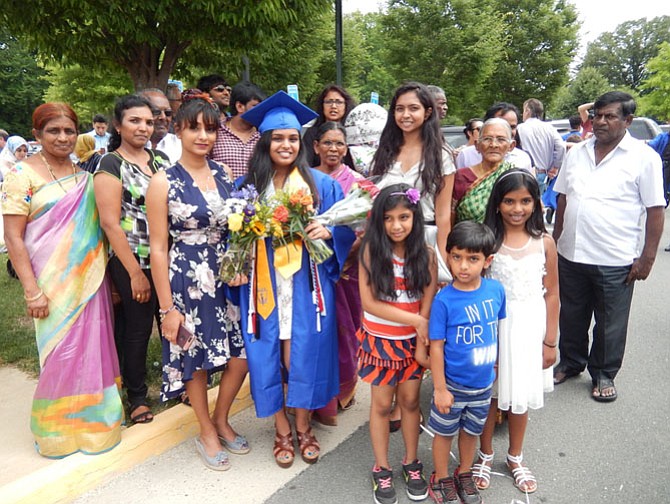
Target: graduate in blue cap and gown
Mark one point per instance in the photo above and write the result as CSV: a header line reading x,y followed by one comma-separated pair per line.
x,y
288,313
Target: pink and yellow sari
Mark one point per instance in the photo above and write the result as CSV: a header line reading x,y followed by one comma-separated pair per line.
x,y
77,406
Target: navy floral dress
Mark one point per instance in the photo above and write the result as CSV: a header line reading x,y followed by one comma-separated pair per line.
x,y
198,231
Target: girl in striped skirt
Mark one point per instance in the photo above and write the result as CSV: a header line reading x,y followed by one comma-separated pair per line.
x,y
397,281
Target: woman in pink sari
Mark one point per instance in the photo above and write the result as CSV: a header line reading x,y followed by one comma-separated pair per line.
x,y
330,145
56,245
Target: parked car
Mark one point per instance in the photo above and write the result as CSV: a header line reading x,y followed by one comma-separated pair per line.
x,y
454,136
642,128
562,125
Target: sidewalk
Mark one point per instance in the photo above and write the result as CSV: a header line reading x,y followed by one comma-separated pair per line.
x,y
29,478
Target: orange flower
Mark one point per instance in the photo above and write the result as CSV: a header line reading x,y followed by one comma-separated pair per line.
x,y
281,213
296,196
306,200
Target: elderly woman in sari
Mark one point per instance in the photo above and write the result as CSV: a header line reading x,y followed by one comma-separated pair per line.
x,y
472,185
330,144
57,248
86,152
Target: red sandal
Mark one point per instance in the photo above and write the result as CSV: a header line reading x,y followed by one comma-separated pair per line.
x,y
284,444
309,446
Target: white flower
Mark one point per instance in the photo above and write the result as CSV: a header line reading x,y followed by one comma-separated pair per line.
x,y
194,292
205,279
179,210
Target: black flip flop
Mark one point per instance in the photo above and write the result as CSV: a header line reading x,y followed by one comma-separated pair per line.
x,y
142,418
603,383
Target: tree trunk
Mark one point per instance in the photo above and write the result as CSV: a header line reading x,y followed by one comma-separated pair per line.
x,y
152,66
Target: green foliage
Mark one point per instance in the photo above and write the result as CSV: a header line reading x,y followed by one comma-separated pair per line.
x,y
455,44
539,42
363,66
622,55
656,88
21,85
88,92
147,38
479,52
587,85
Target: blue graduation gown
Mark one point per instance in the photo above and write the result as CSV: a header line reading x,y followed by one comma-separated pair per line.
x,y
314,376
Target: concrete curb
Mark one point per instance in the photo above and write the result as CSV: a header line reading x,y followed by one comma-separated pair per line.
x,y
63,480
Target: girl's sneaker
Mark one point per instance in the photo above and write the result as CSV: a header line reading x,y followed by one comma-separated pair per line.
x,y
382,486
415,481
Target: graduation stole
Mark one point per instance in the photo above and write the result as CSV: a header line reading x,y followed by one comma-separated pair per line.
x,y
288,258
287,261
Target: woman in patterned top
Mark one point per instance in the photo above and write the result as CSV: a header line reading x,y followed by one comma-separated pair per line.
x,y
121,181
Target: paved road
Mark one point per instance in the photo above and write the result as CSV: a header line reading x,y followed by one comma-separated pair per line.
x,y
580,451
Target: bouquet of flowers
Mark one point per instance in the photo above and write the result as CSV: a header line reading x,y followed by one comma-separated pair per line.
x,y
293,211
353,210
248,220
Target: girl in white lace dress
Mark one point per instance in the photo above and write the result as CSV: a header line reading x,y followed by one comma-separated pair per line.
x,y
526,264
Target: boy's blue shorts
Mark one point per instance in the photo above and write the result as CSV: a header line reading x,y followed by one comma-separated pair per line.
x,y
469,411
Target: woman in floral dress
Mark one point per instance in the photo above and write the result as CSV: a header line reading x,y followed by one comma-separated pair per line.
x,y
185,203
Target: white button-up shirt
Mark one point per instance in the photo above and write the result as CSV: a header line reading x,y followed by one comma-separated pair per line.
x,y
604,217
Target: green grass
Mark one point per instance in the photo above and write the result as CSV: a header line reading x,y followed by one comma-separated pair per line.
x,y
17,332
17,338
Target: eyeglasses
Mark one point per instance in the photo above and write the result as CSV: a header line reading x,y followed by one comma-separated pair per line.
x,y
167,112
478,128
222,88
337,103
496,140
329,144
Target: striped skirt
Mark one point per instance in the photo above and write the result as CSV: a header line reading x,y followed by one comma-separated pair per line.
x,y
386,362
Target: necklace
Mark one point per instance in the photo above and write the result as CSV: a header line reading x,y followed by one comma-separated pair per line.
x,y
51,172
192,171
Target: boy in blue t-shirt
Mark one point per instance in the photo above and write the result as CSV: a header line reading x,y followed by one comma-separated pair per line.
x,y
463,332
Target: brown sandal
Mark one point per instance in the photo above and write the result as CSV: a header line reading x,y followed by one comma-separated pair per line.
x,y
307,440
284,444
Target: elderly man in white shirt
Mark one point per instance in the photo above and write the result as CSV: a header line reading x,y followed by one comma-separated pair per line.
x,y
162,139
609,222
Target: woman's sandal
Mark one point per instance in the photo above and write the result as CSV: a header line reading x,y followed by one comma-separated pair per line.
x,y
523,478
284,444
481,471
309,446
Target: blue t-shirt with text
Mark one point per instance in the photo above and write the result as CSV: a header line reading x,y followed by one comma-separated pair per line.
x,y
468,322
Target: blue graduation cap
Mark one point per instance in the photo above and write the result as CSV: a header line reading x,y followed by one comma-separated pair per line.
x,y
280,111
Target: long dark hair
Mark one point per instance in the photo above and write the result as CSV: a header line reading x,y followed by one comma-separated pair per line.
x,y
509,181
122,104
260,171
391,141
380,248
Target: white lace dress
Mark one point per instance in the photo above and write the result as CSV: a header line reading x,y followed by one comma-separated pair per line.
x,y
521,379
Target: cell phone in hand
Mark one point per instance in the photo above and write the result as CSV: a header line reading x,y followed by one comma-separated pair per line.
x,y
185,337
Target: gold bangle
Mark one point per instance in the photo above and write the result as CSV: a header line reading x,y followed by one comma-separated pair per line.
x,y
35,297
